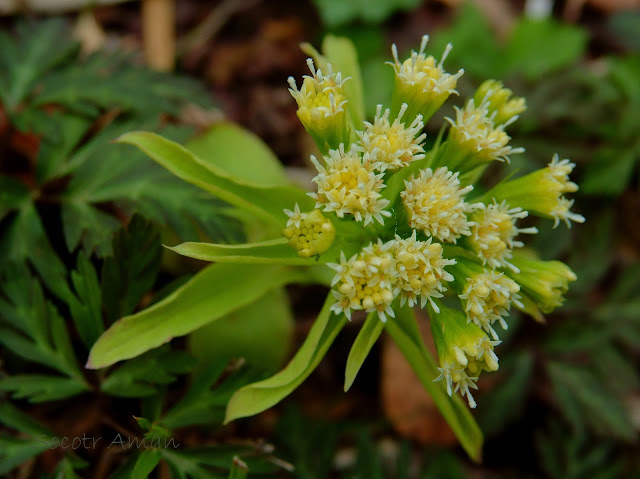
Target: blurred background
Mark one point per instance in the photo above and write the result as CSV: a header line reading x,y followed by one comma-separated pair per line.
x,y
82,221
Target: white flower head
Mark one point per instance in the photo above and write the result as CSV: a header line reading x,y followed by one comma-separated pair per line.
x,y
487,299
559,171
347,185
366,281
320,95
493,233
435,204
453,374
475,133
422,71
392,145
420,270
321,106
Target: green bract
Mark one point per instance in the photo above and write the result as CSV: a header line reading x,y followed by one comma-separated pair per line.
x,y
389,227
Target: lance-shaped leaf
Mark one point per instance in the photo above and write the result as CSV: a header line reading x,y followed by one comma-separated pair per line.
x,y
367,337
406,335
255,398
271,251
275,251
267,202
240,153
211,294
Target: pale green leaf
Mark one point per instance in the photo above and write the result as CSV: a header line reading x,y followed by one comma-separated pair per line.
x,y
257,397
267,202
261,333
343,57
406,335
240,153
275,251
367,337
212,294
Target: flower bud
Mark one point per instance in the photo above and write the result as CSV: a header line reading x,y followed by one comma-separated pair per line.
x,y
494,231
474,140
545,282
422,83
321,100
309,233
505,110
486,295
541,192
464,351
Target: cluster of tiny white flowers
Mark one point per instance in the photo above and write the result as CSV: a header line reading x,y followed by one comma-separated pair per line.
x,y
348,185
420,270
453,372
558,171
422,71
392,145
413,270
487,299
464,365
435,204
320,95
493,233
365,281
373,278
475,131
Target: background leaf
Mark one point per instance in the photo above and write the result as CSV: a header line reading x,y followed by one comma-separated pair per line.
x,y
260,396
211,294
132,269
260,333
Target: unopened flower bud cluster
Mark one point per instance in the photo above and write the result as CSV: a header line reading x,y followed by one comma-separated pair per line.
x,y
421,235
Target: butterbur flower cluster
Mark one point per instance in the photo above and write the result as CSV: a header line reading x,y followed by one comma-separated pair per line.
x,y
412,230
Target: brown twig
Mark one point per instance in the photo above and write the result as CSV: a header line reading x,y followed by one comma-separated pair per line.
x,y
158,32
